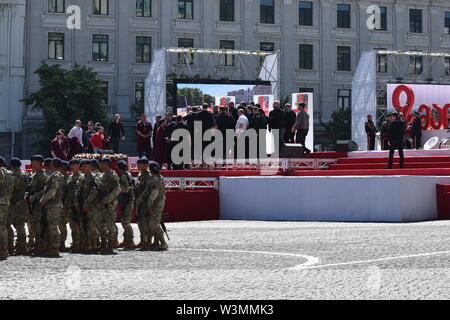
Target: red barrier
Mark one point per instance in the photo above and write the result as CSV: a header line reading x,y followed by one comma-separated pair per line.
x,y
443,201
189,205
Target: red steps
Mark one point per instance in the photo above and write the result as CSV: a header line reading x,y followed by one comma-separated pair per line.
x,y
385,159
373,172
443,201
408,165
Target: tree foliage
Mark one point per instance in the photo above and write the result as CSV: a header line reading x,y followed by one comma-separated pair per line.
x,y
65,96
340,125
193,97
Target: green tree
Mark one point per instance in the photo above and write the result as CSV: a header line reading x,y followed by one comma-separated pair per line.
x,y
65,96
208,99
340,125
191,96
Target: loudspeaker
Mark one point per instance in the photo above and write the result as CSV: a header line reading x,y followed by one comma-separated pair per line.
x,y
293,151
346,146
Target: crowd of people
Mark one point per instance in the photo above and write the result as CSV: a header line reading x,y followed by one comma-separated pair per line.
x,y
83,194
92,140
395,134
293,127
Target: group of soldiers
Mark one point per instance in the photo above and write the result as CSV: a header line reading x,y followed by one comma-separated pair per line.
x,y
83,194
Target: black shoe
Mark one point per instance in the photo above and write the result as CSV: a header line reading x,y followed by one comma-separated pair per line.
x,y
387,168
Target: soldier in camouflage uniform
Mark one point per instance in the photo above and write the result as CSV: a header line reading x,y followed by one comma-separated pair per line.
x,y
70,203
34,194
6,185
107,192
64,217
142,194
126,201
155,203
87,209
18,213
51,201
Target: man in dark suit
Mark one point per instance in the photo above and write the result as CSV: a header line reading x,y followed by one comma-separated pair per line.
x,y
276,121
417,131
396,135
290,117
371,132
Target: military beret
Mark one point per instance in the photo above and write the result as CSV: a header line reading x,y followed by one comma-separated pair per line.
x,y
108,160
122,165
57,162
65,165
86,162
74,161
2,160
15,162
94,162
37,158
154,166
48,161
143,160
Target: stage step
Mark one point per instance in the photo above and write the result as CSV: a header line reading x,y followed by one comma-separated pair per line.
x,y
373,172
408,165
384,160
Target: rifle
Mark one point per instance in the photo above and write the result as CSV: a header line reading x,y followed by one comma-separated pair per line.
x,y
163,225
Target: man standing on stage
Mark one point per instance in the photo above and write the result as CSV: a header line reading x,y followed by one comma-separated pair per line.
x,y
290,118
302,127
384,130
371,132
116,132
417,131
396,133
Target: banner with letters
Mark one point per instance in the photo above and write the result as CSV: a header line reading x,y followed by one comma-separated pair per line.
x,y
266,102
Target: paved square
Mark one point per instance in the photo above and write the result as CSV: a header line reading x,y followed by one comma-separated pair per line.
x,y
252,260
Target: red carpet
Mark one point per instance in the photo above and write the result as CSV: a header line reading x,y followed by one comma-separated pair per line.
x,y
385,160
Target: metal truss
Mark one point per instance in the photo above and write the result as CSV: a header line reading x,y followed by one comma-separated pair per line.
x,y
220,64
191,183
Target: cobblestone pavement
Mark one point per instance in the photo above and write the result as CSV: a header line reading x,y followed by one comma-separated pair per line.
x,y
252,260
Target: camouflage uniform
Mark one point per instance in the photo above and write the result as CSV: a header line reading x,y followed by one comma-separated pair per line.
x,y
52,201
37,186
126,201
109,187
64,217
156,203
6,184
88,216
18,213
143,186
70,203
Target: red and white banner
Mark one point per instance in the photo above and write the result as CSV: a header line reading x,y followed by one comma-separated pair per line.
x,y
222,101
266,102
431,101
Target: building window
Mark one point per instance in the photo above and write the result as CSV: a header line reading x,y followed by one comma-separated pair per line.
x,y
344,98
447,23
383,17
415,20
343,16
100,47
143,49
415,64
105,88
144,8
381,62
139,90
447,66
56,6
344,59
56,46
101,7
185,58
306,56
226,10
267,11
185,9
305,12
226,59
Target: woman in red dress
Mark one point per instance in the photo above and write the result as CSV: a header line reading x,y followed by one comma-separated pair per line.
x,y
161,144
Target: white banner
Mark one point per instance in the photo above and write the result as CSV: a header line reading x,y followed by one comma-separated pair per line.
x,y
155,86
421,93
266,102
364,97
222,101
